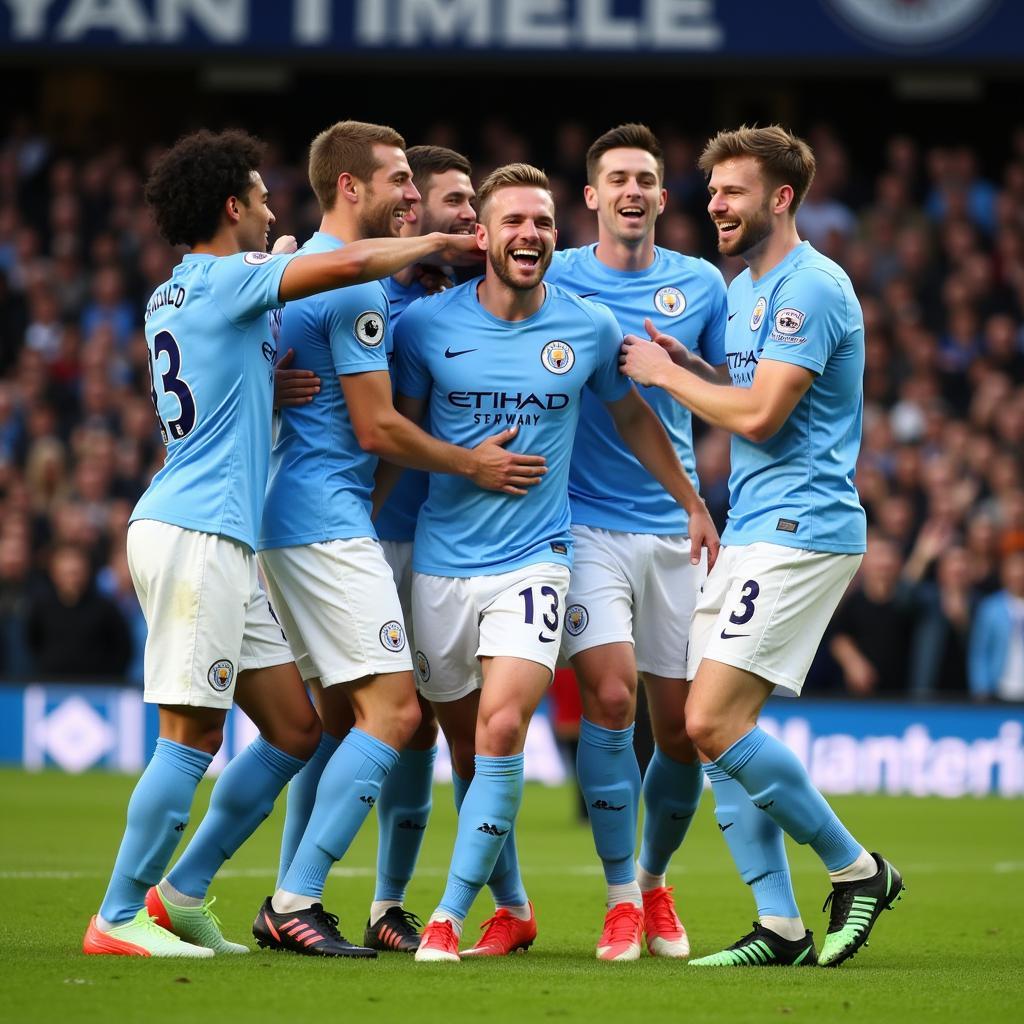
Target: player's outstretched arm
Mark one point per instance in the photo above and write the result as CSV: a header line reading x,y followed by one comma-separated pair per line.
x,y
381,429
371,259
642,431
755,413
684,357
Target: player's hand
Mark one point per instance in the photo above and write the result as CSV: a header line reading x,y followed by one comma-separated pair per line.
x,y
460,251
432,279
284,245
498,469
641,361
703,535
291,386
677,351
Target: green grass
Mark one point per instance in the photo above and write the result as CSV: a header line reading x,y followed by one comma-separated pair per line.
x,y
952,950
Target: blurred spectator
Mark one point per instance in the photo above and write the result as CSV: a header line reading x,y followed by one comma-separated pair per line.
x,y
15,572
996,663
73,630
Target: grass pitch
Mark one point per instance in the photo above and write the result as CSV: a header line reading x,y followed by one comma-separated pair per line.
x,y
951,951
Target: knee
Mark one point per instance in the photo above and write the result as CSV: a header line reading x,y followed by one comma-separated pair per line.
x,y
672,738
502,733
703,730
612,703
208,739
298,739
463,753
405,720
425,734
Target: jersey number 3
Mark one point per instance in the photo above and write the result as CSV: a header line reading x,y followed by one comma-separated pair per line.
x,y
171,383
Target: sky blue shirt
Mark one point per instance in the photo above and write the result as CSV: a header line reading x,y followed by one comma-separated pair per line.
x,y
320,477
396,520
796,488
212,355
483,375
685,297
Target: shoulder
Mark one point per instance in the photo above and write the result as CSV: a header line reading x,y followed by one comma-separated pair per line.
x,y
703,270
423,311
817,274
565,260
566,301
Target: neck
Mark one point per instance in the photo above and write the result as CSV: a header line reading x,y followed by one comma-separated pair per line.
x,y
223,243
506,303
341,224
770,252
407,275
619,255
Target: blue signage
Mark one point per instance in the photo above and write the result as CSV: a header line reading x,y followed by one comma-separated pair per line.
x,y
822,30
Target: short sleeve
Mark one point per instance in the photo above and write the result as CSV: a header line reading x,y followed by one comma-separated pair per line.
x,y
411,371
356,325
606,381
248,284
809,318
711,343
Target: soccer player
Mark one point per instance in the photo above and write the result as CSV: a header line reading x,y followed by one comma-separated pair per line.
x,y
324,567
796,534
635,573
212,637
491,572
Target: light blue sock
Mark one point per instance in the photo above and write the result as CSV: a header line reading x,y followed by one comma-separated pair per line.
x,y
242,798
157,817
349,787
609,776
672,791
486,819
779,784
402,814
301,797
506,881
757,845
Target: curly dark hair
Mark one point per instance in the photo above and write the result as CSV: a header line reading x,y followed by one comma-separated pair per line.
x,y
191,182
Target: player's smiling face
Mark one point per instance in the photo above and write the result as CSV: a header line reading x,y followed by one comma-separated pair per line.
x,y
447,204
626,194
255,217
740,205
518,233
388,196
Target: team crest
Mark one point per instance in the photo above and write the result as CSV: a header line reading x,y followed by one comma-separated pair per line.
x,y
392,636
756,318
423,666
369,328
789,320
558,357
670,301
254,259
576,619
220,675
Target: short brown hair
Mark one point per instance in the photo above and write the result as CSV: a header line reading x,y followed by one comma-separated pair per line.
x,y
346,146
509,176
625,136
426,161
784,157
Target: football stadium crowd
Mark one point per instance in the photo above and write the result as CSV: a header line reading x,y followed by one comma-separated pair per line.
x,y
932,239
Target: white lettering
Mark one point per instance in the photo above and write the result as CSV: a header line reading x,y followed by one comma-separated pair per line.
x,y
444,21
881,766
683,25
535,23
371,27
834,763
28,18
126,18
949,767
311,20
600,29
221,20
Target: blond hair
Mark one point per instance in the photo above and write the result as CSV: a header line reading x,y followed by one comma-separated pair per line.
x,y
784,157
346,147
511,176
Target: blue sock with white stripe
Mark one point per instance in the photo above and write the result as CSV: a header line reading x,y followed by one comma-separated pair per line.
x,y
242,798
157,817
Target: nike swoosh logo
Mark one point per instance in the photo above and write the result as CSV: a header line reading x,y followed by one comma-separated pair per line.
x,y
730,316
587,295
732,636
545,639
722,828
449,354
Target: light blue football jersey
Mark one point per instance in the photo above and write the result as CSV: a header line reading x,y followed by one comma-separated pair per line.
x,y
685,297
212,358
483,375
796,488
320,478
396,520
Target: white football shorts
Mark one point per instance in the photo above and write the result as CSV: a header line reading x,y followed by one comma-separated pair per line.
x,y
515,614
339,607
636,588
207,615
765,608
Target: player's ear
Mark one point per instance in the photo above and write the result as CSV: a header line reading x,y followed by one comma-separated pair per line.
x,y
662,200
233,209
590,197
348,187
481,236
783,198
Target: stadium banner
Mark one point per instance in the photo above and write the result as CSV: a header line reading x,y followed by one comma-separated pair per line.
x,y
825,30
863,747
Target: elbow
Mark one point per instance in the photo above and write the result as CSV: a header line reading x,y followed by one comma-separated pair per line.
x,y
759,428
371,437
